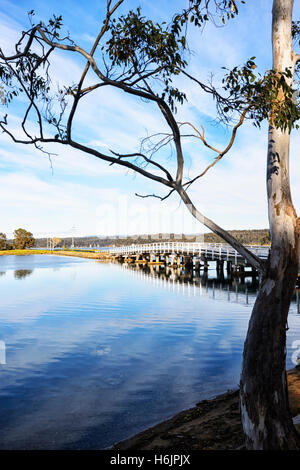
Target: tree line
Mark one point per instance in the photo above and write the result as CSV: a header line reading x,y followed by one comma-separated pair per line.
x,y
22,239
248,237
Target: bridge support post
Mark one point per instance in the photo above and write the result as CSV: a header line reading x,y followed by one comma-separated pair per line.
x,y
176,260
229,267
197,265
187,262
220,266
220,269
242,274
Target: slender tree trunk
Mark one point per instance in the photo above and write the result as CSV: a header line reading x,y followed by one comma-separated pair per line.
x,y
266,418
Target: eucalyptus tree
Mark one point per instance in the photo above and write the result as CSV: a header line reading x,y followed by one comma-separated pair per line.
x,y
264,396
142,58
23,239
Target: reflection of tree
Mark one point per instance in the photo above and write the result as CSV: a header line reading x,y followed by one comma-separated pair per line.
x,y
22,273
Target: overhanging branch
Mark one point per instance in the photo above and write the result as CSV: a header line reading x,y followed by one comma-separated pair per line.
x,y
252,259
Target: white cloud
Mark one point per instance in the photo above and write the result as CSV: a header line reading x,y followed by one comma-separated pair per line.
x,y
232,193
43,207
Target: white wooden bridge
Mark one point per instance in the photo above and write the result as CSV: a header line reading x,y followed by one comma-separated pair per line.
x,y
208,251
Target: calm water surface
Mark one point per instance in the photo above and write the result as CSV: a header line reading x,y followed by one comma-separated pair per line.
x,y
95,353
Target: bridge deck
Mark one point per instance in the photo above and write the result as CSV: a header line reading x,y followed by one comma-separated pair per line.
x,y
209,250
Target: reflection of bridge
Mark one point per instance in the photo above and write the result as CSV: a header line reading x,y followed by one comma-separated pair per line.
x,y
175,279
194,284
187,254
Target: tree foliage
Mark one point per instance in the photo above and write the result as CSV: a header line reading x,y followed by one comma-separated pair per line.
x,y
55,241
3,241
268,96
23,239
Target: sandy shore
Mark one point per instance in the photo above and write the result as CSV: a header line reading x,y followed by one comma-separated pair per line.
x,y
211,425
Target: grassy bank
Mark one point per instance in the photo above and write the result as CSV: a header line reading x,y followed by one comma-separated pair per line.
x,y
83,254
78,254
24,252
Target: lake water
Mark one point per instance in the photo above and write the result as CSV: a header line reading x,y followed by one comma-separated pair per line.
x,y
93,353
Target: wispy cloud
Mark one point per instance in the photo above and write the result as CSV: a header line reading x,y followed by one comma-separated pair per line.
x,y
233,192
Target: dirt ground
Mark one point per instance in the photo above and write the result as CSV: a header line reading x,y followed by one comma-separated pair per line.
x,y
211,425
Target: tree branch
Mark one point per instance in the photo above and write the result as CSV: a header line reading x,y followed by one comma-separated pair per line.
x,y
26,49
252,259
104,28
148,160
121,162
162,198
128,89
221,154
200,136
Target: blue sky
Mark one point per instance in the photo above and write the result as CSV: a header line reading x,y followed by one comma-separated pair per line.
x,y
100,200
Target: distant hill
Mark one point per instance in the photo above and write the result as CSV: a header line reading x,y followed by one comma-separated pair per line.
x,y
247,237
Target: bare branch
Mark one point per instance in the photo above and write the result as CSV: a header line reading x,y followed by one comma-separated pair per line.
x,y
121,162
88,89
79,94
26,49
144,77
208,89
31,141
221,154
254,260
200,136
148,160
162,198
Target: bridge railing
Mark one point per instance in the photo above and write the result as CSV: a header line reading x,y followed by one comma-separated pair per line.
x,y
195,248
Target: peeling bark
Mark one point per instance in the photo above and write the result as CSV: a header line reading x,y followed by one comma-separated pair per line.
x,y
266,418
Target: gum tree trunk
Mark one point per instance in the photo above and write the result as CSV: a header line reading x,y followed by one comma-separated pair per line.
x,y
265,412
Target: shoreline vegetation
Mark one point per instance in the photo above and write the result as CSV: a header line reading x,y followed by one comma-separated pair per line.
x,y
212,424
79,254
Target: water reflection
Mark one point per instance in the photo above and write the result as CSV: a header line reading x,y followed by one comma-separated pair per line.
x,y
22,273
212,282
96,353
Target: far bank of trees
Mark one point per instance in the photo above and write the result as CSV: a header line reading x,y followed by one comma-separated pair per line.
x,y
4,244
248,237
22,240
